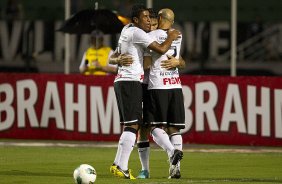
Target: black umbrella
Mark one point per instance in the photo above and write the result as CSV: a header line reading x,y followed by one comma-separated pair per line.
x,y
85,21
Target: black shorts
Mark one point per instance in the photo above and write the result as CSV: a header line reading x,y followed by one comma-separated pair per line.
x,y
146,102
166,108
129,101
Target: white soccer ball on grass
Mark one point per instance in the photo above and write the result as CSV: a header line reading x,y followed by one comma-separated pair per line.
x,y
84,174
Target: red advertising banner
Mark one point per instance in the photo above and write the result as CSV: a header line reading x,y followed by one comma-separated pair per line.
x,y
218,110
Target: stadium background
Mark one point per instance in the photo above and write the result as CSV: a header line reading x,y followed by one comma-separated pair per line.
x,y
220,109
204,23
40,107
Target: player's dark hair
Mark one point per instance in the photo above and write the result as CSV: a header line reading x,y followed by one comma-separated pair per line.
x,y
153,13
136,10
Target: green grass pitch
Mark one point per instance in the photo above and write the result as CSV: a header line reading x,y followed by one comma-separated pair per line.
x,y
55,165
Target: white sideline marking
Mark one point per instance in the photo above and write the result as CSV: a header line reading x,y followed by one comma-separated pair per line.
x,y
114,145
48,144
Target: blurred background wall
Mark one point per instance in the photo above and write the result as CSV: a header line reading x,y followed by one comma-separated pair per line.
x,y
29,41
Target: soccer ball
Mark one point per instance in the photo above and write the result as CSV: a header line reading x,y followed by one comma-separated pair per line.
x,y
84,174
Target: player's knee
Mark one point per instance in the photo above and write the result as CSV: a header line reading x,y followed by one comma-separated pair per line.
x,y
172,130
131,128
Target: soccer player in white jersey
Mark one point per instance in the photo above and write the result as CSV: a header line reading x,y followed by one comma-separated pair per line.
x,y
143,143
165,93
133,41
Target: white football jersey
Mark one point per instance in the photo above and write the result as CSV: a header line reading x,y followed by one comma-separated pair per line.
x,y
159,77
133,41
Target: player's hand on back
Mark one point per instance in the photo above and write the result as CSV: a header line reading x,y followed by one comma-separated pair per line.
x,y
125,60
171,63
173,33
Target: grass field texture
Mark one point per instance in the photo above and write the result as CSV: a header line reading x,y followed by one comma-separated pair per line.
x,y
55,165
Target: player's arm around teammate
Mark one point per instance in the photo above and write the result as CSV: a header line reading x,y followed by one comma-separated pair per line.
x,y
172,62
127,85
166,98
143,143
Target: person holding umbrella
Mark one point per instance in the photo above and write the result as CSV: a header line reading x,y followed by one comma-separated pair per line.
x,y
133,41
95,59
95,22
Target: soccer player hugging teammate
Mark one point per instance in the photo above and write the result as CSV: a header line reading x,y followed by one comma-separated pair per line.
x,y
133,41
143,143
166,107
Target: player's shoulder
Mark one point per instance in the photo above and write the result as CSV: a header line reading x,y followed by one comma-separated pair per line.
x,y
130,28
157,32
127,26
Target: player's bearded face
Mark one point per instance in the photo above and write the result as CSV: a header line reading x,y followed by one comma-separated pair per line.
x,y
144,21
